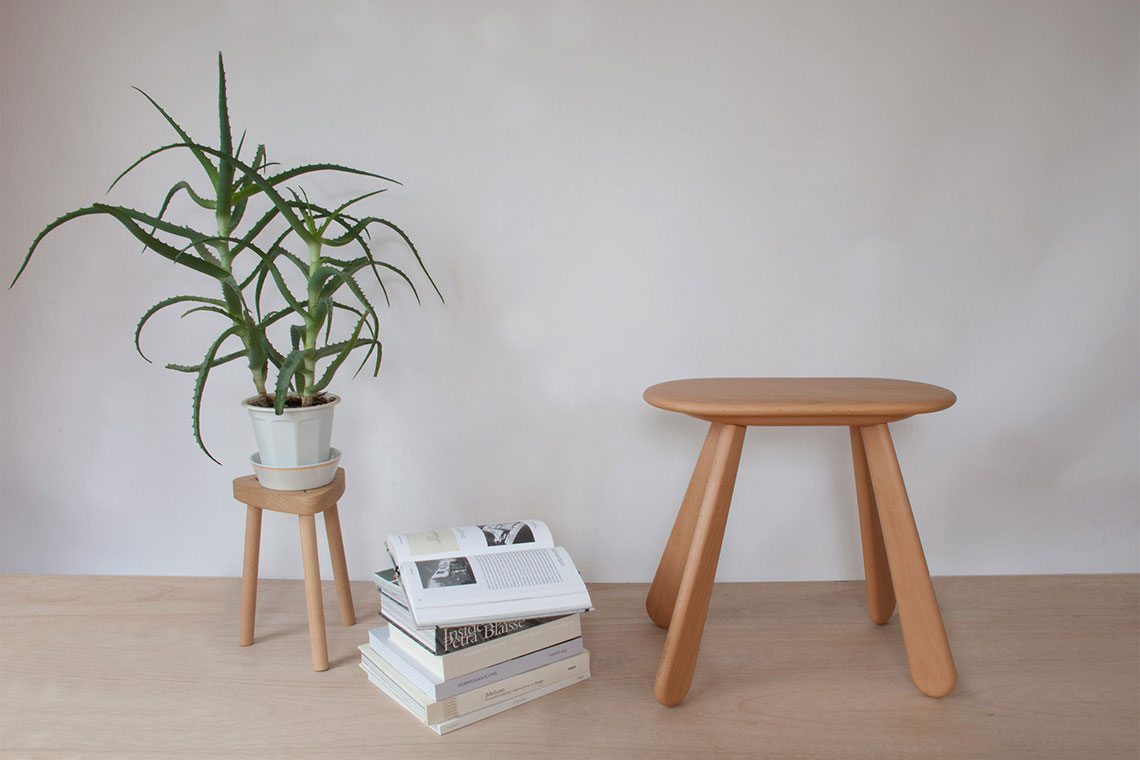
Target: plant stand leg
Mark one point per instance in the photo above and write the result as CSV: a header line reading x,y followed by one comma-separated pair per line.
x,y
662,597
683,642
313,599
927,648
339,566
880,592
249,574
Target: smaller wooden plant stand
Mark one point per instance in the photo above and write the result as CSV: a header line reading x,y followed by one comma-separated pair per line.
x,y
306,505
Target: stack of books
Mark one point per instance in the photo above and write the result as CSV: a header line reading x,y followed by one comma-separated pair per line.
x,y
480,619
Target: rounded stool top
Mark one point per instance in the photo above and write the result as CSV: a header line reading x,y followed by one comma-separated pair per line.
x,y
799,400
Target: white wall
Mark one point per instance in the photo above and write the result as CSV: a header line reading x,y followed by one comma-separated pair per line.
x,y
610,194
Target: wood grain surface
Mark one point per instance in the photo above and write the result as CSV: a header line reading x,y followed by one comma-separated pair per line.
x,y
927,648
683,642
798,400
662,596
876,570
128,667
248,490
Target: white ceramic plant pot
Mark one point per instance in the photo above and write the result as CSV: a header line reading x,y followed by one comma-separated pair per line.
x,y
299,436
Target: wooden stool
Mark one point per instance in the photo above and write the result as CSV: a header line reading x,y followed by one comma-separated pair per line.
x,y
304,504
892,554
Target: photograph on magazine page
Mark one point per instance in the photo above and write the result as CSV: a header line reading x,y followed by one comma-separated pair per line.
x,y
504,533
440,573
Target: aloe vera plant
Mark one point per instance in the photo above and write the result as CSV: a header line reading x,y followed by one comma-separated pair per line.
x,y
241,264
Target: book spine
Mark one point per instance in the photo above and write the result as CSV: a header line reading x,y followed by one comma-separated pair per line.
x,y
476,699
444,640
458,638
526,681
465,720
465,661
505,690
487,676
385,685
379,646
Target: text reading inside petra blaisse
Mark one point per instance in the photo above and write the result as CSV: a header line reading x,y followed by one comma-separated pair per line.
x,y
467,635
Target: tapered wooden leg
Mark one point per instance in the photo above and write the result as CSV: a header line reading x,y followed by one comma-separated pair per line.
x,y
880,593
927,649
313,601
663,592
249,574
339,566
683,643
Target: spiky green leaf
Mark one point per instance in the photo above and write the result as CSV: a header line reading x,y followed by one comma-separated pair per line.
x,y
212,309
338,359
86,211
211,171
217,362
164,304
200,386
225,165
336,212
276,179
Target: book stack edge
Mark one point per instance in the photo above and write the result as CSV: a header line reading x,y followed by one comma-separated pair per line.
x,y
451,675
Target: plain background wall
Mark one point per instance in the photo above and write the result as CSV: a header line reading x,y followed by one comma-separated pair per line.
x,y
609,194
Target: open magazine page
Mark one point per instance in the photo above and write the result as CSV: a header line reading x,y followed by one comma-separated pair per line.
x,y
469,540
470,587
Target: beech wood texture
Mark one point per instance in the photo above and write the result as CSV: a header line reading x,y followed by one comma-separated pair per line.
x,y
880,591
313,601
339,565
683,642
248,490
249,575
137,668
799,401
895,566
306,505
663,592
927,648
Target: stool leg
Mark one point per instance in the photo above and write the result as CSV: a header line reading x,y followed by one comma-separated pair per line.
x,y
340,567
313,599
683,642
927,649
663,593
249,574
880,592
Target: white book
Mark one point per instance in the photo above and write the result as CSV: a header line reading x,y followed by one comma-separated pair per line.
x,y
469,539
481,573
385,685
436,689
455,664
480,698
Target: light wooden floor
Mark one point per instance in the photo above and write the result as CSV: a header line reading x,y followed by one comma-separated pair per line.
x,y
96,666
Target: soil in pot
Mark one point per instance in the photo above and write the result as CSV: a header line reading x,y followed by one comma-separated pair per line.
x,y
291,402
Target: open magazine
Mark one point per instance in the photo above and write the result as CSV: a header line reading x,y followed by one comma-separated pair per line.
x,y
483,573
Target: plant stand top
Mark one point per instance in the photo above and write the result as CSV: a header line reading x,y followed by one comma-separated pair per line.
x,y
249,491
